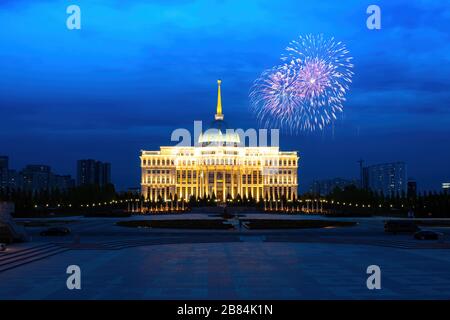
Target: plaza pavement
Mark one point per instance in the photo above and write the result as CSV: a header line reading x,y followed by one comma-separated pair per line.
x,y
127,263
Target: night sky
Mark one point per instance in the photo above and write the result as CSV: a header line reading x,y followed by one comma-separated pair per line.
x,y
137,70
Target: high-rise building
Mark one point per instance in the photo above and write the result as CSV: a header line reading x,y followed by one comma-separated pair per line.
x,y
218,166
105,174
4,162
36,177
32,178
446,186
62,182
325,187
412,188
14,180
93,172
388,179
4,168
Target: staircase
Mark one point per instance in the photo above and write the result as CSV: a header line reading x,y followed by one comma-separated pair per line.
x,y
11,260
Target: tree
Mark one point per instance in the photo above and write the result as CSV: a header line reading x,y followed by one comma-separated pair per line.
x,y
192,201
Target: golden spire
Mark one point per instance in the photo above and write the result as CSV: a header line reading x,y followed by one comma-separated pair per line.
x,y
219,115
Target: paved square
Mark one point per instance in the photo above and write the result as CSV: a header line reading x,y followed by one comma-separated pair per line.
x,y
235,270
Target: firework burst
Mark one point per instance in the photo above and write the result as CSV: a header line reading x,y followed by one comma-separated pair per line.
x,y
274,96
308,89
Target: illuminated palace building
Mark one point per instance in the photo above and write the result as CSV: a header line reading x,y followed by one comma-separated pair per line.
x,y
219,166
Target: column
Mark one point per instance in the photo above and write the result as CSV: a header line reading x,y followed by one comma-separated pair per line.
x,y
232,183
215,182
206,178
224,187
186,197
257,185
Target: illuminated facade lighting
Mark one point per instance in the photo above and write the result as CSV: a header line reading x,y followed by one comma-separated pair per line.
x,y
219,166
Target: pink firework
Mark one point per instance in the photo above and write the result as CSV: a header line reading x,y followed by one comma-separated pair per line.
x,y
275,95
312,84
313,79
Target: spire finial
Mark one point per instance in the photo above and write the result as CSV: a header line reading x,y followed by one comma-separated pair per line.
x,y
219,114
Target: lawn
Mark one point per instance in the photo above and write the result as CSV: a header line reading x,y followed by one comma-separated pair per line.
x,y
44,223
294,224
177,224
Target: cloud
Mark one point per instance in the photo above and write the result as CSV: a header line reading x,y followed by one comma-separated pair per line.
x,y
138,69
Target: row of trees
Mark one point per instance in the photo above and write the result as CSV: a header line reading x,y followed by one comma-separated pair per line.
x,y
436,204
348,199
26,199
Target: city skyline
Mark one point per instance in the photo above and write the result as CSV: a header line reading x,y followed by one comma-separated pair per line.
x,y
317,186
104,94
41,177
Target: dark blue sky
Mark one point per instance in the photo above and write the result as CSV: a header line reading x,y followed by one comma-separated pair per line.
x,y
139,69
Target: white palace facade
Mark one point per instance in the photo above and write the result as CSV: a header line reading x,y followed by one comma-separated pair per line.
x,y
219,166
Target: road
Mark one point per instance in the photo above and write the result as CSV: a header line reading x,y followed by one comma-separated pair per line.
x,y
97,230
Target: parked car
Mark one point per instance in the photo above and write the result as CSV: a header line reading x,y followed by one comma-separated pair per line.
x,y
428,235
2,247
56,231
397,226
